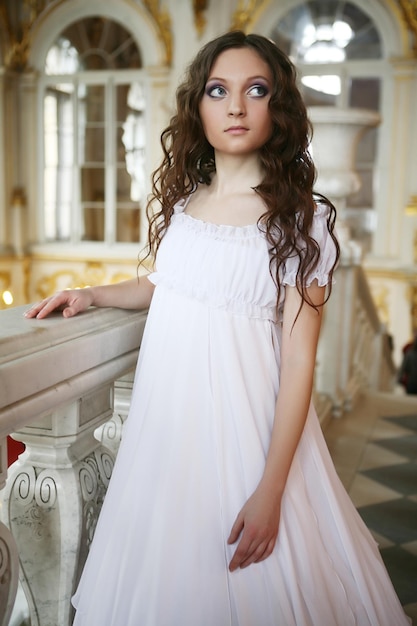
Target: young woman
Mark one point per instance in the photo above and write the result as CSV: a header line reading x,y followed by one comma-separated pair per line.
x,y
224,508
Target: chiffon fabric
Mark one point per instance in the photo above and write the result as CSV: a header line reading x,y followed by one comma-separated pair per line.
x,y
194,449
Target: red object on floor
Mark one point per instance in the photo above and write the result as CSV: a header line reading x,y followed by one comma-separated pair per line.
x,y
14,448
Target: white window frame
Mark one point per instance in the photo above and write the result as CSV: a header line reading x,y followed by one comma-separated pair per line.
x,y
110,79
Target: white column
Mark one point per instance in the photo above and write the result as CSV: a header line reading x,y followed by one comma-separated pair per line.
x,y
3,192
398,182
29,152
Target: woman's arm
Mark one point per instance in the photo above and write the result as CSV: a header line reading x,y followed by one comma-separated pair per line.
x,y
130,294
258,521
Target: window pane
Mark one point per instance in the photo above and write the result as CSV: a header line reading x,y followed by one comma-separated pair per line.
x,y
93,223
93,43
58,159
131,138
92,101
320,90
319,31
91,145
92,200
365,93
92,184
62,58
128,224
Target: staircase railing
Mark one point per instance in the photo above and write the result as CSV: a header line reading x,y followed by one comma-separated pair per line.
x,y
354,352
56,387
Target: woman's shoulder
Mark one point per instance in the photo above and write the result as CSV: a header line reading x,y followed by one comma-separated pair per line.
x,y
322,208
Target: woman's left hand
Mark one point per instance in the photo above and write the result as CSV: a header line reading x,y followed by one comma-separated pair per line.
x,y
257,525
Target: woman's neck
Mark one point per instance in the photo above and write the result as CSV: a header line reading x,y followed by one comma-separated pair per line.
x,y
236,174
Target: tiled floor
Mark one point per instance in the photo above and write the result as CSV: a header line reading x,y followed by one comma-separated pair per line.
x,y
374,449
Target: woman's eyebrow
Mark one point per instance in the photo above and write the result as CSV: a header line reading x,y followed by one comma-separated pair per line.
x,y
248,80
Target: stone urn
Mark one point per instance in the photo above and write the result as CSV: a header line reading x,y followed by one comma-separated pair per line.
x,y
336,134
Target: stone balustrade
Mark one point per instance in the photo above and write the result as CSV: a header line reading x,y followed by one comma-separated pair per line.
x,y
56,388
65,391
353,354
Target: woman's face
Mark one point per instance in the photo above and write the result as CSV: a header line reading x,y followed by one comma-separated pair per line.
x,y
234,108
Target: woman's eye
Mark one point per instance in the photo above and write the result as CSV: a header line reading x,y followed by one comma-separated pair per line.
x,y
258,91
216,91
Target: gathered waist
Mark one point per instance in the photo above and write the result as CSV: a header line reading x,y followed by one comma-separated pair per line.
x,y
225,302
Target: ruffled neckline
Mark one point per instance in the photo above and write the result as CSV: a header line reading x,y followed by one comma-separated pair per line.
x,y
195,223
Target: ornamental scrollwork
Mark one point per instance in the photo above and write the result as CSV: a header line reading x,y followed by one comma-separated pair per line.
x,y
409,10
34,497
18,19
199,7
94,476
162,20
245,13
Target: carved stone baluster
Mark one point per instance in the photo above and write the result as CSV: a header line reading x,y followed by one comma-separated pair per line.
x,y
52,501
110,433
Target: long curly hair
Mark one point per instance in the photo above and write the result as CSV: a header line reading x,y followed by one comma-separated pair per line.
x,y
289,173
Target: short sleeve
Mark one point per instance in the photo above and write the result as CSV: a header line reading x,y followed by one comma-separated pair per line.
x,y
153,277
328,253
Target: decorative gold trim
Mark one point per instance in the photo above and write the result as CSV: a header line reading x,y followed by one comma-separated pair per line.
x,y
162,20
411,208
409,10
5,280
5,285
93,273
400,274
244,15
17,55
199,6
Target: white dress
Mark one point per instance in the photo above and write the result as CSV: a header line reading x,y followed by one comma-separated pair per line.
x,y
193,451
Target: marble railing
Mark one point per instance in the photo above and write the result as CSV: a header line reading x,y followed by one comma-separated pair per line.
x,y
65,391
56,389
354,352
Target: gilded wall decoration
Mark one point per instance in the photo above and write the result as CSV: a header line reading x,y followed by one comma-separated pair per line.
x,y
90,274
5,280
5,288
18,17
162,20
245,13
409,10
199,6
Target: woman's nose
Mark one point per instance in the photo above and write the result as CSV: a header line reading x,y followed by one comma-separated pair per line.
x,y
236,106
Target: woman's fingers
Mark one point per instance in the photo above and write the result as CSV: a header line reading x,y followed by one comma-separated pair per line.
x,y
69,302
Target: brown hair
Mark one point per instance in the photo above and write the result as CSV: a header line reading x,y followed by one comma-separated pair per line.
x,y
287,186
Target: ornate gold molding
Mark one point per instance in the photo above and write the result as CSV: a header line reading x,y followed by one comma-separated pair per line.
x,y
199,6
245,13
162,20
411,207
19,30
409,10
87,274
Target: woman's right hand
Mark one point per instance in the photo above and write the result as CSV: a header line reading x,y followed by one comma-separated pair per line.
x,y
70,302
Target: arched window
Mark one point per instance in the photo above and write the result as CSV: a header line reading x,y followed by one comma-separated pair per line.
x,y
338,52
94,107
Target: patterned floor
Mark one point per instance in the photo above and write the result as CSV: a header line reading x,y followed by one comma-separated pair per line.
x,y
382,482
